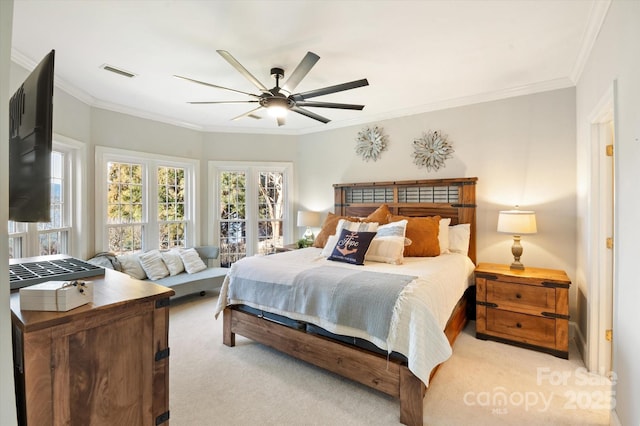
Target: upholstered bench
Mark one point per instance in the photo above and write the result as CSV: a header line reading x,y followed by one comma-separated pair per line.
x,y
197,282
183,283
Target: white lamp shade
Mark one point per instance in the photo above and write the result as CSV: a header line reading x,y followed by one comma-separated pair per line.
x,y
517,222
308,218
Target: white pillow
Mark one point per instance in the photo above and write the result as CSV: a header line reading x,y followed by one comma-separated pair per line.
x,y
192,261
351,226
173,261
153,265
443,235
130,264
459,238
388,244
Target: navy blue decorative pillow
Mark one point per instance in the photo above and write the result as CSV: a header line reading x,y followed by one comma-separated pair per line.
x,y
352,246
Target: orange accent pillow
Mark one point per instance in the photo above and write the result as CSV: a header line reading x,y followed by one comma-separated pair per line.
x,y
329,228
380,215
423,233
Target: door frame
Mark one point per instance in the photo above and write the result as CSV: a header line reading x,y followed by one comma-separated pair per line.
x,y
601,260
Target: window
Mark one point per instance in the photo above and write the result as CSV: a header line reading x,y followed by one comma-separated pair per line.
x,y
270,211
124,207
17,235
233,221
54,237
148,201
252,208
171,203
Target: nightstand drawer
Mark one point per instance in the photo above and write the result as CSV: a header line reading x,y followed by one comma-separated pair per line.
x,y
521,298
527,307
521,327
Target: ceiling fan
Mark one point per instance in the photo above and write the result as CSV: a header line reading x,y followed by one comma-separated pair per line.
x,y
279,100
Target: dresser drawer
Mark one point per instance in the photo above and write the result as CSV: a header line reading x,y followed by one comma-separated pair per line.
x,y
521,327
521,298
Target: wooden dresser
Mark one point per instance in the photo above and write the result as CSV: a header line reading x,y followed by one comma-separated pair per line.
x,y
528,308
103,363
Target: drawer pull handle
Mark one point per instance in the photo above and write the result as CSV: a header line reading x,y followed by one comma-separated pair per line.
x,y
518,325
518,296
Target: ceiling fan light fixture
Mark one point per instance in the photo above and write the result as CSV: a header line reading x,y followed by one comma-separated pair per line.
x,y
278,100
276,106
277,111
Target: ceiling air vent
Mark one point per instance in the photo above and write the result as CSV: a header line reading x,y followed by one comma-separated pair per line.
x,y
118,71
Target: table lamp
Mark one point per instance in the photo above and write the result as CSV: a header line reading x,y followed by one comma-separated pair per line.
x,y
308,219
517,222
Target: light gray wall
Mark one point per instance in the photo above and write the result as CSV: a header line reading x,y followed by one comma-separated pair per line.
x,y
123,131
522,150
241,147
616,56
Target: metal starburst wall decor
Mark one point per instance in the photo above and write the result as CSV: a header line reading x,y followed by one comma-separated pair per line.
x,y
431,150
370,143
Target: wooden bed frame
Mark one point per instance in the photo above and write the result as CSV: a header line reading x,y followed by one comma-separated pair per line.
x,y
453,198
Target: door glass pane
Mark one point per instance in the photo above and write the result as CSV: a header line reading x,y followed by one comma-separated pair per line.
x,y
270,211
232,217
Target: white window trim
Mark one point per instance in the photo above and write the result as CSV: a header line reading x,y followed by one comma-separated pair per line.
x,y
75,192
150,161
251,169
77,184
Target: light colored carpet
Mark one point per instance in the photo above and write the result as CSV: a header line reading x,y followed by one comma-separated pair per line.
x,y
483,383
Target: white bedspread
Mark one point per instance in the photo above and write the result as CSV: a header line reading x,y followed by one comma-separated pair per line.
x,y
420,314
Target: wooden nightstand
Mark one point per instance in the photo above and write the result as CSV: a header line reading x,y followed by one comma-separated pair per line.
x,y
528,308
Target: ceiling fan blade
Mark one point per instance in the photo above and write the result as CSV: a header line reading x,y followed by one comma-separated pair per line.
x,y
238,66
246,114
220,102
310,114
281,121
215,86
331,89
329,105
300,72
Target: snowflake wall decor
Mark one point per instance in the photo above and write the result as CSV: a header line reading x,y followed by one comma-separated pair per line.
x,y
370,143
431,150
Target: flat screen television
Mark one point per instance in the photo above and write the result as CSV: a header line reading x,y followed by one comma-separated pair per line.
x,y
30,143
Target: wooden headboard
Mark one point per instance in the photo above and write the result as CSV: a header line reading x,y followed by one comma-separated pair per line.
x,y
453,198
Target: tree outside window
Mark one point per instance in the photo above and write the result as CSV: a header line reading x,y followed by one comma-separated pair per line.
x,y
124,207
252,205
171,207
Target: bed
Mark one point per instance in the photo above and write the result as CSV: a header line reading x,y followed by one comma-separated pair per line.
x,y
427,315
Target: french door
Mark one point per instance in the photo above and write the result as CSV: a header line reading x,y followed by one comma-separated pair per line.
x,y
252,208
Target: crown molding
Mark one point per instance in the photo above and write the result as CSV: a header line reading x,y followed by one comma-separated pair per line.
x,y
29,64
597,14
529,89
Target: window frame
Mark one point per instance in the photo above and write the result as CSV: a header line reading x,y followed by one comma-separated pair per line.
x,y
74,192
251,169
150,163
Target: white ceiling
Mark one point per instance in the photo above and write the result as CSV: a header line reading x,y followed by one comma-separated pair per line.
x,y
417,55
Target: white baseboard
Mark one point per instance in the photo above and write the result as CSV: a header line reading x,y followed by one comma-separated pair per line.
x,y
614,420
581,343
